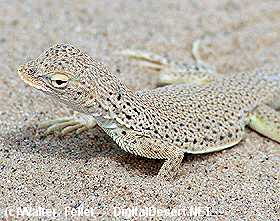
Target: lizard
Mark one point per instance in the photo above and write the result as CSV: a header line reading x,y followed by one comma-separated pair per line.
x,y
161,123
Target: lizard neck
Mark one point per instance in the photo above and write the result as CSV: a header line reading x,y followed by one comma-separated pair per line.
x,y
116,101
112,97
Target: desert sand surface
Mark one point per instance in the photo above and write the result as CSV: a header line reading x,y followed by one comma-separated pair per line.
x,y
90,170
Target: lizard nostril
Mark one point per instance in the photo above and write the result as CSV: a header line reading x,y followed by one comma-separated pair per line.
x,y
21,70
24,70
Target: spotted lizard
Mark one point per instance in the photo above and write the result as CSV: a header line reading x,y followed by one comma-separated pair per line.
x,y
161,123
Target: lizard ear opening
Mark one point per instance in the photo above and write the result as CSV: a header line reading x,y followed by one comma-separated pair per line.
x,y
59,80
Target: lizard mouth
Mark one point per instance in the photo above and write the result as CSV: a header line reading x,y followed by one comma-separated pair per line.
x,y
29,79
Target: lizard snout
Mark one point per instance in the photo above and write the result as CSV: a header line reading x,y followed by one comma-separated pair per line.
x,y
28,75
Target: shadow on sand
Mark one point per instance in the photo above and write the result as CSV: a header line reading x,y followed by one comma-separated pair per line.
x,y
94,143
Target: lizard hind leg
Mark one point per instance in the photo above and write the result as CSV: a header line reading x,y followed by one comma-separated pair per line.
x,y
77,123
198,73
148,59
171,166
266,121
173,72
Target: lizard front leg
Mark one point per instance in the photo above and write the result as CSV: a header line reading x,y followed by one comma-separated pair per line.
x,y
152,148
266,121
172,72
65,125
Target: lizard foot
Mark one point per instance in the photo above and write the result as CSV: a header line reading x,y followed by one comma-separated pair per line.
x,y
65,125
200,65
266,121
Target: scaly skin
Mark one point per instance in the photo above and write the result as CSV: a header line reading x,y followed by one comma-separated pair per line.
x,y
162,123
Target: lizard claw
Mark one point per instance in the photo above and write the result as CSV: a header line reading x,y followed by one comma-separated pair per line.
x,y
63,126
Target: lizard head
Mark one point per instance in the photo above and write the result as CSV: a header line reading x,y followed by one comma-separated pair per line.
x,y
63,72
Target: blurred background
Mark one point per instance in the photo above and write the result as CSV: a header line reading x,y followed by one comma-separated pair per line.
x,y
90,170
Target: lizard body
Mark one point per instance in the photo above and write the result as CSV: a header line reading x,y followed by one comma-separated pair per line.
x,y
165,122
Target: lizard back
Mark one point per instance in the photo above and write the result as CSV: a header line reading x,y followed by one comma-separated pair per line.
x,y
199,118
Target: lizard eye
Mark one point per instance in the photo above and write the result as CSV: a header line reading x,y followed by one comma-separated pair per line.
x,y
59,80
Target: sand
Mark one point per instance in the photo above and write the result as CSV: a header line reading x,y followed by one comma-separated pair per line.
x,y
89,171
